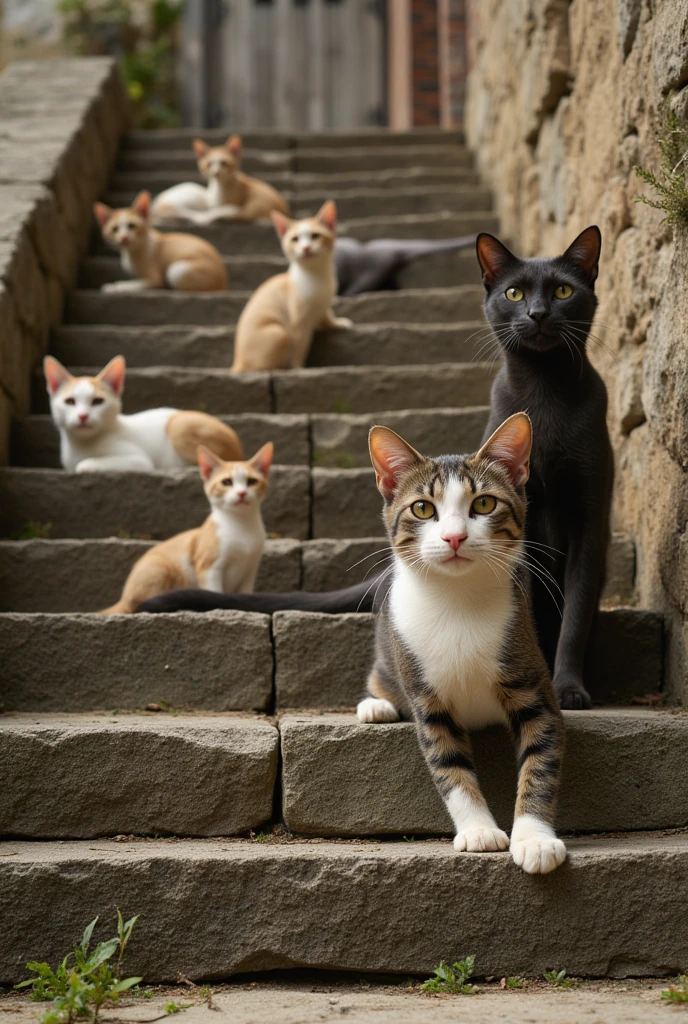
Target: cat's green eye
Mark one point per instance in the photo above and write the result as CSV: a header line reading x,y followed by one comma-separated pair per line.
x,y
514,294
423,509
228,481
483,505
563,291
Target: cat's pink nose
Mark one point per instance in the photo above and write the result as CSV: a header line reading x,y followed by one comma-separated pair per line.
x,y
454,539
83,416
240,494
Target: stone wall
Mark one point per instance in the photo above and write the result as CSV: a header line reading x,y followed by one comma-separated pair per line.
x,y
562,102
60,125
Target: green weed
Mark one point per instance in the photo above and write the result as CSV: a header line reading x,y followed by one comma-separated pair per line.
x,y
341,406
171,1008
677,993
261,837
558,979
33,530
670,184
342,459
514,982
409,839
84,981
452,978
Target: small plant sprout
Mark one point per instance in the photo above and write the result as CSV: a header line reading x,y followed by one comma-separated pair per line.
x,y
512,983
677,993
452,978
558,979
85,980
670,184
171,1008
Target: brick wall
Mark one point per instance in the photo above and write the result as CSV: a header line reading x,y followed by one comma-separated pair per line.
x,y
424,63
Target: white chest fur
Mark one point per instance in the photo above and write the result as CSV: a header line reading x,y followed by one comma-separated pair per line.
x,y
313,289
240,544
456,630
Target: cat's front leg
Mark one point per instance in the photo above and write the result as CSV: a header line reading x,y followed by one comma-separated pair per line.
x,y
335,323
381,705
137,285
538,730
115,463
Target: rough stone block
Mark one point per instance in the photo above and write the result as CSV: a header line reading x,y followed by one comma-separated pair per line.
x,y
140,775
370,158
220,661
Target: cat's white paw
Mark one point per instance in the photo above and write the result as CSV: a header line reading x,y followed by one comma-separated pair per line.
x,y
481,839
534,846
87,466
115,286
343,323
372,709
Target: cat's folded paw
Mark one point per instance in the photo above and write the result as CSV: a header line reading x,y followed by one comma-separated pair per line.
x,y
534,846
571,694
481,839
372,709
343,323
115,286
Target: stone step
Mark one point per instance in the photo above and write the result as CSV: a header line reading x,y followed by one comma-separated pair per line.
x,y
309,161
368,202
87,575
158,178
204,775
157,308
347,389
213,908
212,346
624,657
246,273
139,505
625,770
261,239
219,661
179,138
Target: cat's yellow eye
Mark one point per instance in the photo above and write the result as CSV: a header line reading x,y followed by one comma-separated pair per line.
x,y
483,505
514,294
227,482
423,509
563,291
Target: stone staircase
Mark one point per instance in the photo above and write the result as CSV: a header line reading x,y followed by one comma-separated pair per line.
x,y
208,771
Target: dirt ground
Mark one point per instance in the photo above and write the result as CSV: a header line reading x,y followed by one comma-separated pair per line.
x,y
365,1002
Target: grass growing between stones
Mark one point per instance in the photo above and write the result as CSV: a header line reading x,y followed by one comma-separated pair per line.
x,y
670,184
452,978
33,530
677,993
558,979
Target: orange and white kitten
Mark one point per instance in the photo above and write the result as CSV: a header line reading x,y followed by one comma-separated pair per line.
x,y
223,554
94,436
229,195
276,326
182,262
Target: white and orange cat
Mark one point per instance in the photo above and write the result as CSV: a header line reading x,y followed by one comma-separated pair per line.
x,y
276,326
229,194
155,260
94,436
224,553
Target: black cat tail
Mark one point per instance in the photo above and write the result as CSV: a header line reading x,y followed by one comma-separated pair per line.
x,y
360,598
412,248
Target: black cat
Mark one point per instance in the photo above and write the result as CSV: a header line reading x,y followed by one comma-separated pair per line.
x,y
541,311
373,266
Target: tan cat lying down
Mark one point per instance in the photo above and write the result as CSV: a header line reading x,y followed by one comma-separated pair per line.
x,y
229,195
155,260
224,553
276,326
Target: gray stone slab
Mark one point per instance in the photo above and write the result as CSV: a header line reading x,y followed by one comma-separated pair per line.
x,y
35,440
220,661
324,660
441,270
221,309
177,138
346,502
88,575
202,776
355,389
369,158
252,161
211,909
624,770
150,506
341,440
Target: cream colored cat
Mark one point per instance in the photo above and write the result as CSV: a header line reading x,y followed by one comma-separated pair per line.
x,y
276,327
229,195
182,262
222,555
94,436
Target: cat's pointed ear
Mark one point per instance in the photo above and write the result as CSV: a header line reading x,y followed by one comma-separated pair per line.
x,y
327,215
102,212
113,375
510,445
200,148
141,204
207,461
262,460
391,457
281,223
233,146
493,257
584,251
55,374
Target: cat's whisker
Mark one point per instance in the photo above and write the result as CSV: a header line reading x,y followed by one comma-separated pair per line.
x,y
371,555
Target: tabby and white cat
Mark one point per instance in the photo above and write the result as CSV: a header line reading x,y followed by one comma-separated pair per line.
x,y
95,436
224,553
455,645
276,326
155,260
229,195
